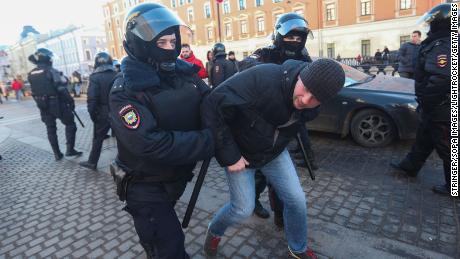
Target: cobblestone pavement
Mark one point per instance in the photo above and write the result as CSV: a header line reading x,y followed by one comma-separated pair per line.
x,y
358,207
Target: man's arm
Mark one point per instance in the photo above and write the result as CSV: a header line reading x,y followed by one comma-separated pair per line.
x,y
61,86
140,133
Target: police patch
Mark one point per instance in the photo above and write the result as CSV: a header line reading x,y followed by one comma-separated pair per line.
x,y
129,116
441,61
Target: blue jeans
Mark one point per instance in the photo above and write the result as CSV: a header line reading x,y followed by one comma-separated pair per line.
x,y
281,174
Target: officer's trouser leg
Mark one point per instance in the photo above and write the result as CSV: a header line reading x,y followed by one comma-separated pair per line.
x,y
420,150
158,227
440,135
101,128
50,122
67,118
261,183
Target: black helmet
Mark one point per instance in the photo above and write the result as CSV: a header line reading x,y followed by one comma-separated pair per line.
x,y
144,25
42,56
218,49
437,19
102,58
291,24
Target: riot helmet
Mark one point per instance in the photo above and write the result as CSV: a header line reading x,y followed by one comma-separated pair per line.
x,y
144,25
42,56
437,19
291,24
218,50
101,59
116,65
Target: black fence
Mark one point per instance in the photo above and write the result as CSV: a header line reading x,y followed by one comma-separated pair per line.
x,y
371,65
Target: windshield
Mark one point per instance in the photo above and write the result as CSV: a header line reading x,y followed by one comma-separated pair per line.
x,y
353,76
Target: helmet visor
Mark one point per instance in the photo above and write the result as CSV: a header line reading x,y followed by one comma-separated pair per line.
x,y
149,24
299,25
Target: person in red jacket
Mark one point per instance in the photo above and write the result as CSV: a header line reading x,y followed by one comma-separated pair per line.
x,y
17,86
187,54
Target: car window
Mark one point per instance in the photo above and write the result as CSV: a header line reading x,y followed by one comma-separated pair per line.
x,y
352,75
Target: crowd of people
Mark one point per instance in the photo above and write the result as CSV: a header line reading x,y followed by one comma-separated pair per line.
x,y
166,118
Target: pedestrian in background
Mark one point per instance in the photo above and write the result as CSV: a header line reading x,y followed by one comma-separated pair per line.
x,y
232,58
17,86
76,83
187,55
209,63
4,89
386,55
408,55
378,56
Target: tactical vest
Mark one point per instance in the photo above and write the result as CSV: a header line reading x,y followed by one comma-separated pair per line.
x,y
41,82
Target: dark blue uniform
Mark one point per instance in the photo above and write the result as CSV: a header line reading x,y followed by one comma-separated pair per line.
x,y
49,91
100,83
432,88
221,70
156,120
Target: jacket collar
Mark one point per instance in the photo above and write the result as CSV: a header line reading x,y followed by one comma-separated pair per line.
x,y
140,75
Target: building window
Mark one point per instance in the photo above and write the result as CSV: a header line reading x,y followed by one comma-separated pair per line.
x,y
120,35
88,54
277,1
110,25
403,39
365,48
299,12
190,14
226,6
330,50
111,35
405,4
244,27
209,33
365,7
330,12
242,4
260,24
181,2
207,10
173,3
228,29
115,8
259,2
189,1
85,42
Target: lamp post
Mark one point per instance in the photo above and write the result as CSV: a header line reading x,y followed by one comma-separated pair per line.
x,y
218,2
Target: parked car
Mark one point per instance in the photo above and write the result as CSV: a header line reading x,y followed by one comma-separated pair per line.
x,y
375,110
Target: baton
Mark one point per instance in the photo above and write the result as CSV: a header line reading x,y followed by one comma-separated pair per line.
x,y
196,191
305,157
78,118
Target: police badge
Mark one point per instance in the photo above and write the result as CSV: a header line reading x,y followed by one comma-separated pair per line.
x,y
441,61
129,116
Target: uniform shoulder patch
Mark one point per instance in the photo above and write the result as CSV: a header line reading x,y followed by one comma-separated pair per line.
x,y
441,60
129,116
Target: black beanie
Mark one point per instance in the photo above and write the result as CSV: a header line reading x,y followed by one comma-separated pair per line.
x,y
324,78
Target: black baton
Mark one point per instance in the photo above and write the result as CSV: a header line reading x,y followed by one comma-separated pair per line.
x,y
305,157
196,191
78,118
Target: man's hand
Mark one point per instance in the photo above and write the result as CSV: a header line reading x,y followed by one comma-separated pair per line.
x,y
238,166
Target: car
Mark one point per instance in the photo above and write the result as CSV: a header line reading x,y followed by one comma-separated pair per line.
x,y
373,109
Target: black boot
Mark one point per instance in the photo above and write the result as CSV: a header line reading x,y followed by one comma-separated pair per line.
x,y
406,167
72,152
57,152
89,165
441,189
260,211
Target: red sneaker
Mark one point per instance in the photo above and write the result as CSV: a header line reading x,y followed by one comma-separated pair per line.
x,y
309,254
211,243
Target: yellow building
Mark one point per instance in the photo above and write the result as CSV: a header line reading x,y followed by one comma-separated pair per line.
x,y
345,27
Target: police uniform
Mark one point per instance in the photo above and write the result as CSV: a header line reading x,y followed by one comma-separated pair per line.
x,y
100,83
221,68
54,101
432,90
155,114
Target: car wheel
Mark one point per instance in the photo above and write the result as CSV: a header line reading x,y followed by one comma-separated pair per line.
x,y
372,128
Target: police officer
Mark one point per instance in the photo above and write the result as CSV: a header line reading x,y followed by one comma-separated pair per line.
x,y
155,114
221,67
50,93
290,35
432,88
100,83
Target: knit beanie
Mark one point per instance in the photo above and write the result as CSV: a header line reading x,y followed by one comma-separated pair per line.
x,y
324,78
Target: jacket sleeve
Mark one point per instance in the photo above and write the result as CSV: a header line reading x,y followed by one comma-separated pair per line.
x,y
219,110
403,57
202,73
94,92
149,141
438,85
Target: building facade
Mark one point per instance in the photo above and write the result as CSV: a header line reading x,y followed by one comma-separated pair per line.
x,y
74,49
